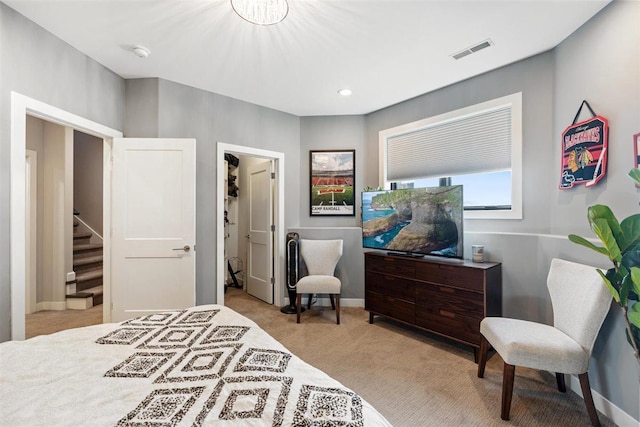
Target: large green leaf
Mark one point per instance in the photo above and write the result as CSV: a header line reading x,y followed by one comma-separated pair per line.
x,y
601,227
630,233
635,175
625,285
584,242
613,290
634,314
635,279
596,212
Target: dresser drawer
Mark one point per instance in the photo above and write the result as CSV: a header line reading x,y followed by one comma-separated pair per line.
x,y
435,298
466,329
451,274
390,285
390,307
389,265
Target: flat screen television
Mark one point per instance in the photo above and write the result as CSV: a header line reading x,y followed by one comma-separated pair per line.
x,y
414,221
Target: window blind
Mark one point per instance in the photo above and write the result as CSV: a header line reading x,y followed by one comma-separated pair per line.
x,y
472,144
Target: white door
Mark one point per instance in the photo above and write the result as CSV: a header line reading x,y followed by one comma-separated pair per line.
x,y
153,226
260,247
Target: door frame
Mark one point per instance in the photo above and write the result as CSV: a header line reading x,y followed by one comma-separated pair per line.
x,y
278,215
21,106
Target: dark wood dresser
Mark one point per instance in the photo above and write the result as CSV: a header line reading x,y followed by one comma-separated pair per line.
x,y
448,297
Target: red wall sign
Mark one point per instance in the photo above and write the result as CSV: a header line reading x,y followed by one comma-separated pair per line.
x,y
584,153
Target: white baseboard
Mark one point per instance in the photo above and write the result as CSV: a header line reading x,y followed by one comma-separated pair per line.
x,y
326,302
602,404
51,305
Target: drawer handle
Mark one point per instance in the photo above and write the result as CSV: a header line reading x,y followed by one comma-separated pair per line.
x,y
447,290
448,314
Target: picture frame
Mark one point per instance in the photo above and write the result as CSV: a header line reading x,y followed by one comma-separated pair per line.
x,y
636,149
332,182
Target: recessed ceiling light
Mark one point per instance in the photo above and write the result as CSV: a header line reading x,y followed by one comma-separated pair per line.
x,y
141,51
344,92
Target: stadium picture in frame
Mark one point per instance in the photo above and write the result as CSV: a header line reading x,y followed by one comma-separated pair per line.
x,y
333,175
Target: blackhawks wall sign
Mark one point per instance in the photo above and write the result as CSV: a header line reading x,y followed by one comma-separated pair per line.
x,y
584,152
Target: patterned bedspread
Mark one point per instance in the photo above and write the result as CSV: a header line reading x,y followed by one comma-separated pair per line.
x,y
204,366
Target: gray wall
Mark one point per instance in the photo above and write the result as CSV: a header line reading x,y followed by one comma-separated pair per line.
x,y
40,66
88,159
185,112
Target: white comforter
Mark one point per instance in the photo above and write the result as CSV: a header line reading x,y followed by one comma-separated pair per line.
x,y
204,366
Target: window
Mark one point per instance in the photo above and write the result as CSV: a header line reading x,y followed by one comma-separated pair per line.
x,y
479,147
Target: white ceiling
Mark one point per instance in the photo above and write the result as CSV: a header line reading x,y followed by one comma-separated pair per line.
x,y
386,51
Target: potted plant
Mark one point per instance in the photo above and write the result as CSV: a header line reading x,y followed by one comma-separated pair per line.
x,y
621,244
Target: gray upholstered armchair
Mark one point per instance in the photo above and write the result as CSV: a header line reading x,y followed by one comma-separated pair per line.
x,y
580,303
320,257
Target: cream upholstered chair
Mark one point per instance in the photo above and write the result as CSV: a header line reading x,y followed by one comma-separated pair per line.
x,y
580,303
320,257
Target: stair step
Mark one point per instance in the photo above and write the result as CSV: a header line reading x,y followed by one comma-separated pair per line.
x,y
81,265
87,260
85,299
87,250
82,235
88,280
88,275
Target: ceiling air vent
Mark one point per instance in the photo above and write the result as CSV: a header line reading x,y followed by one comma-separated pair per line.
x,y
472,49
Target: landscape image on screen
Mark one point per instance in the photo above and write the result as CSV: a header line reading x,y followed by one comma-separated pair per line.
x,y
416,220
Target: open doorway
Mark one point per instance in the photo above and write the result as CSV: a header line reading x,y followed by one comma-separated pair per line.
x,y
21,107
64,280
276,181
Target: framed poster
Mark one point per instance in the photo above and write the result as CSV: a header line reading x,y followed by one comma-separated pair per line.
x,y
333,176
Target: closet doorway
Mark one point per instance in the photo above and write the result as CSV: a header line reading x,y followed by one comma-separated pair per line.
x,y
257,240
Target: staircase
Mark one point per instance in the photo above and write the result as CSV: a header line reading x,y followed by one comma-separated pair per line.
x,y
87,264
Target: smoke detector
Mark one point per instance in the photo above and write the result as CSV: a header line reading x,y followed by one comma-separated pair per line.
x,y
472,49
141,51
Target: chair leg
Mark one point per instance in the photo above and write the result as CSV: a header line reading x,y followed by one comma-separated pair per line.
x,y
333,304
507,390
298,304
588,399
562,387
337,308
309,302
482,360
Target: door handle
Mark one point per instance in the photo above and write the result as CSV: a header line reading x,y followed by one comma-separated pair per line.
x,y
185,248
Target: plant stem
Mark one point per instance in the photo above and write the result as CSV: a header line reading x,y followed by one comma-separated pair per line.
x,y
630,335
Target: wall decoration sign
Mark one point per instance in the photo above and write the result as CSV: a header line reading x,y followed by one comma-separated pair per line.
x,y
636,149
584,151
333,175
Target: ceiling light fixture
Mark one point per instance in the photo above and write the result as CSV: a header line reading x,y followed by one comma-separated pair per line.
x,y
344,92
141,51
261,12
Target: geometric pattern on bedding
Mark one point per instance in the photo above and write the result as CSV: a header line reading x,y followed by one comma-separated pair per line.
x,y
224,333
163,407
155,319
334,406
200,363
257,359
124,336
139,365
174,337
252,398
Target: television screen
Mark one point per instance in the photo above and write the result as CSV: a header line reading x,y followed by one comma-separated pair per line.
x,y
422,221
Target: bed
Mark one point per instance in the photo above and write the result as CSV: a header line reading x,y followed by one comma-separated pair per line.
x,y
206,365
